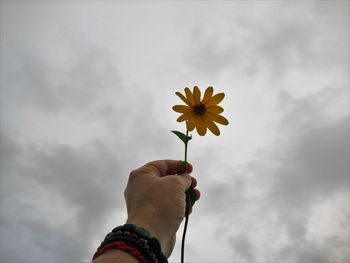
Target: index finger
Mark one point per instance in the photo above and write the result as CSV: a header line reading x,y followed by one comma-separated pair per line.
x,y
169,167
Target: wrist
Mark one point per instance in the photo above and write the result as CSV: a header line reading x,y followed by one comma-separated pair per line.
x,y
154,231
115,255
134,240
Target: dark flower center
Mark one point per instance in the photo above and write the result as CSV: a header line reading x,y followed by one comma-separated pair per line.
x,y
199,109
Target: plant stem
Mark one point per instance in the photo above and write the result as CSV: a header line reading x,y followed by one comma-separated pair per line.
x,y
186,143
187,214
183,239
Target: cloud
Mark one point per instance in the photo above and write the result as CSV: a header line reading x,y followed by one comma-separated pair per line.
x,y
80,110
62,196
243,247
79,81
300,35
313,168
275,194
314,156
57,196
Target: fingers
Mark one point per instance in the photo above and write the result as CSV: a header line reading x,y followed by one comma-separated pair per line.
x,y
163,168
194,182
198,194
168,167
189,181
185,180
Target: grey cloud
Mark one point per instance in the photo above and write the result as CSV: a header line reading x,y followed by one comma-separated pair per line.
x,y
56,196
313,255
207,54
79,83
86,184
223,195
313,167
316,165
314,155
39,240
90,87
309,162
296,226
307,165
317,108
300,35
306,253
243,247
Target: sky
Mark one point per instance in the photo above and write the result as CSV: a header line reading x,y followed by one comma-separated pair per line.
x,y
87,89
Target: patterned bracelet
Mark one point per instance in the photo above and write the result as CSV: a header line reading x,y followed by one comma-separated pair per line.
x,y
120,245
136,241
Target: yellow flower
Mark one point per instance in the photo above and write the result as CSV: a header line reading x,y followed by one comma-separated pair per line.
x,y
201,114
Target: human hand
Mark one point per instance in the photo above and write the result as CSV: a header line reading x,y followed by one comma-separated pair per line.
x,y
156,200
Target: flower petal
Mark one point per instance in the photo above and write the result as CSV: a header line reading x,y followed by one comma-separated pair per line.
x,y
201,126
184,99
215,100
218,118
207,95
185,116
212,127
196,95
215,109
181,108
189,96
190,124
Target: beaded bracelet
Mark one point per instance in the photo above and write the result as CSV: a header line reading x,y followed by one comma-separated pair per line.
x,y
120,245
136,241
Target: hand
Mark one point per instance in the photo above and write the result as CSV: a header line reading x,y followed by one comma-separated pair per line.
x,y
155,198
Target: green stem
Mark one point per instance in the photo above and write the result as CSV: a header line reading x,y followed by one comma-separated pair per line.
x,y
186,143
183,239
187,214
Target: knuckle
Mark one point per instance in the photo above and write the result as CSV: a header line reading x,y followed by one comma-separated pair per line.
x,y
178,181
133,174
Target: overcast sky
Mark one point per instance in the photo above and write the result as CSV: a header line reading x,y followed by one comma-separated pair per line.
x,y
87,89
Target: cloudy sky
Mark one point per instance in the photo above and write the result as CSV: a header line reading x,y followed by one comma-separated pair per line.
x,y
86,94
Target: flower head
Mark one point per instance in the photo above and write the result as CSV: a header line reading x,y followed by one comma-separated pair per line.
x,y
201,114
